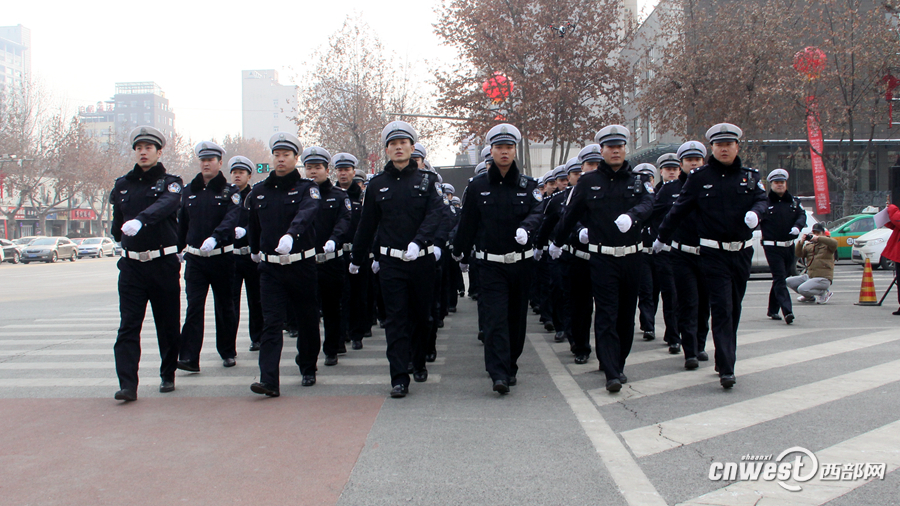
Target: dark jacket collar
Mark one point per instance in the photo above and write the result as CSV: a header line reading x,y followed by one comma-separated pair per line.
x,y
153,174
216,184
394,171
288,179
512,176
787,197
719,166
246,190
624,170
354,191
326,185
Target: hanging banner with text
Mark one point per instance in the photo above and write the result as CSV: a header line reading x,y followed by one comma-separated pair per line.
x,y
816,148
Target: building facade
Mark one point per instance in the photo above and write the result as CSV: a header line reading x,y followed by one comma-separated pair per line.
x,y
143,103
15,59
267,106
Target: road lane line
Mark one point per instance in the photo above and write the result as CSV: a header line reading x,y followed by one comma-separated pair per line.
x,y
633,484
696,427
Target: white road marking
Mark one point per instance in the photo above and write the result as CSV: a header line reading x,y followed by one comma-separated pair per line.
x,y
629,477
200,380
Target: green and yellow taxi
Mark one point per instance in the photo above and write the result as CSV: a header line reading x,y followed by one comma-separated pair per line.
x,y
847,229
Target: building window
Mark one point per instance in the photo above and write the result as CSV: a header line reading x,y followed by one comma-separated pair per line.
x,y
275,115
134,117
147,117
147,104
275,103
651,132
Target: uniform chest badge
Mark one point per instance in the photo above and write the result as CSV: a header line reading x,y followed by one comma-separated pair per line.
x,y
260,197
521,195
595,188
649,187
485,194
175,188
760,185
537,195
383,189
314,193
294,192
123,192
331,200
236,198
192,197
675,195
707,186
348,205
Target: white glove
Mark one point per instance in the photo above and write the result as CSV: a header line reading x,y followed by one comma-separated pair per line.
x,y
538,253
180,257
555,251
285,245
521,236
412,252
456,257
464,267
255,257
375,266
624,223
657,246
354,269
751,219
239,232
329,246
131,227
437,253
795,231
583,236
208,245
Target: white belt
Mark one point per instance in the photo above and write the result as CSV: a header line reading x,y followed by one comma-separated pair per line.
x,y
616,251
288,259
324,257
727,246
242,251
783,244
146,256
210,253
693,250
398,253
584,255
347,247
508,258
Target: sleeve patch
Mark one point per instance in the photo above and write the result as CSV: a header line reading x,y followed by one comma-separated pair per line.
x,y
348,205
649,188
314,193
537,195
175,188
236,198
761,187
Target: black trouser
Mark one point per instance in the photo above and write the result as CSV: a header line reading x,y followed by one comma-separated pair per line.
x,y
560,299
201,273
246,272
615,300
545,285
503,301
693,302
429,343
577,283
356,310
159,283
408,290
331,285
780,259
451,282
378,298
665,285
473,277
648,294
288,287
726,274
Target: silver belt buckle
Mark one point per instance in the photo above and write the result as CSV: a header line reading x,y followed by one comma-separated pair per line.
x,y
509,258
320,257
731,246
619,251
144,256
245,250
284,259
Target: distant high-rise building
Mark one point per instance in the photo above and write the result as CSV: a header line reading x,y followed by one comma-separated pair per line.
x,y
99,121
143,103
267,106
15,59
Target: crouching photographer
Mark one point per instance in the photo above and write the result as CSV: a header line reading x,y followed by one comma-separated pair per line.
x,y
817,250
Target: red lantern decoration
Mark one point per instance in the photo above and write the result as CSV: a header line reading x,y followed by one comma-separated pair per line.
x,y
810,62
498,87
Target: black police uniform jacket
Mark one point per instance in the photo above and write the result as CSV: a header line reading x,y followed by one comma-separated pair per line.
x,y
283,205
151,197
354,192
208,210
448,222
495,207
332,223
722,195
553,212
600,197
782,214
400,207
244,219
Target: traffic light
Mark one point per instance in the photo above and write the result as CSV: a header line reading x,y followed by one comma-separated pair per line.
x,y
262,168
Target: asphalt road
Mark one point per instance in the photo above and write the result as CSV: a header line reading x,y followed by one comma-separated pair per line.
x,y
829,383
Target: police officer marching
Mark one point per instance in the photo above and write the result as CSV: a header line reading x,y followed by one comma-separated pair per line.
x,y
210,209
499,217
612,202
354,305
780,224
283,210
669,169
246,271
729,199
145,206
332,224
402,211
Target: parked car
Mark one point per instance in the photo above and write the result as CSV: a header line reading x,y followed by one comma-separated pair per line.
x,y
870,245
12,253
50,249
118,249
760,264
96,247
78,240
847,229
25,241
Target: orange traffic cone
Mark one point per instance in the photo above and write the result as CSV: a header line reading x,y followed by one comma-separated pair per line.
x,y
867,289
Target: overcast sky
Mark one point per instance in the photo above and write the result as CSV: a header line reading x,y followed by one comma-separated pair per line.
x,y
195,50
